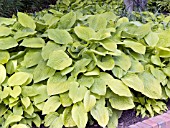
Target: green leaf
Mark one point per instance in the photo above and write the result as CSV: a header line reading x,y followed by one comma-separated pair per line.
x,y
26,20
60,36
158,74
5,31
121,102
155,59
49,48
123,61
19,78
12,119
97,22
136,66
4,56
116,85
2,74
85,33
89,101
133,81
86,81
11,66
99,86
42,72
118,72
20,126
26,102
22,34
50,118
106,62
67,21
166,70
57,123
59,60
152,39
100,113
143,30
15,92
65,99
3,109
77,93
51,105
164,52
113,120
109,44
33,42
66,70
7,21
29,91
7,43
79,115
135,46
67,118
152,87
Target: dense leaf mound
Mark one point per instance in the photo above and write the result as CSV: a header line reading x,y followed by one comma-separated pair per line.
x,y
62,69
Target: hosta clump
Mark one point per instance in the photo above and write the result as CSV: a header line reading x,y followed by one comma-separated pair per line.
x,y
64,69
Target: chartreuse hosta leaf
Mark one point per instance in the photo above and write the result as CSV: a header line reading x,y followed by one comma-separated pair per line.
x,y
59,60
163,52
123,61
11,66
136,66
49,48
79,115
121,102
97,22
19,78
105,62
31,58
85,33
26,102
4,56
133,81
51,105
26,20
89,101
135,46
86,81
16,91
76,92
7,21
2,73
7,43
152,39
54,120
12,119
20,126
109,45
100,113
152,87
33,42
65,99
158,74
5,31
67,118
117,86
59,36
42,72
118,72
67,21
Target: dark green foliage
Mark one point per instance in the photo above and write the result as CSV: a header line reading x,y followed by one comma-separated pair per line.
x,y
10,7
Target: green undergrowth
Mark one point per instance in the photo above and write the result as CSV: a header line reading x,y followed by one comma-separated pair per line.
x,y
69,69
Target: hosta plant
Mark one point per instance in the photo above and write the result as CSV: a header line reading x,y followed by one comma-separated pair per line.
x,y
65,69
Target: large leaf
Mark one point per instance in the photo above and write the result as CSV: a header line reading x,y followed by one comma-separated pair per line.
x,y
16,91
67,118
26,20
135,46
152,87
5,31
65,99
109,44
19,78
20,126
100,113
12,119
77,93
59,60
60,36
97,22
4,56
152,39
89,101
42,72
67,21
123,61
86,81
121,102
2,73
7,43
79,115
51,105
33,42
133,81
85,33
117,86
